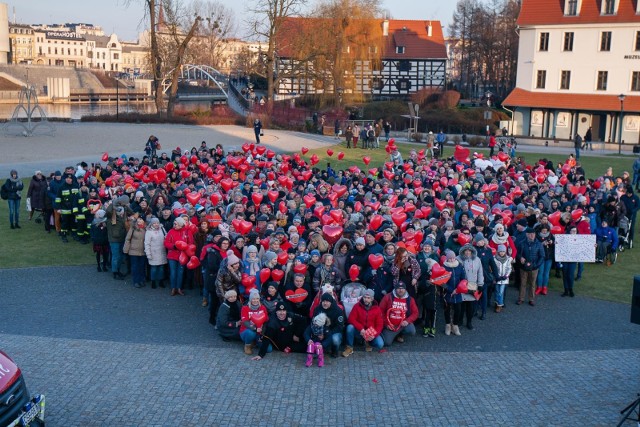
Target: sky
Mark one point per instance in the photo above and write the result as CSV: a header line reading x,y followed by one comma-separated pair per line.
x,y
114,16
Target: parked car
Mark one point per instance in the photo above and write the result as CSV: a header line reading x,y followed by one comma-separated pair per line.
x,y
17,406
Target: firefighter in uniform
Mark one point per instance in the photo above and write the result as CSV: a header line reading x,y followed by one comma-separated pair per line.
x,y
65,204
80,212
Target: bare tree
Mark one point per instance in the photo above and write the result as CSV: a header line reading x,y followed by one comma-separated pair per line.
x,y
209,43
268,16
178,19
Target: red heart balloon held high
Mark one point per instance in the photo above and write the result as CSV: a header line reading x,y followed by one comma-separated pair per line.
x,y
304,150
375,261
329,152
463,238
265,273
340,155
283,257
277,275
332,233
300,268
460,153
309,200
257,198
440,204
273,195
366,160
399,217
105,157
193,198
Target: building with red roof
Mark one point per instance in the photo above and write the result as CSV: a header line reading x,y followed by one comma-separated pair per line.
x,y
578,68
402,57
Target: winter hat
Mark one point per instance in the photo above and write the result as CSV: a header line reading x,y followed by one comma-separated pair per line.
x,y
400,285
520,207
252,248
281,307
360,241
369,293
315,252
327,297
320,319
478,237
270,256
427,242
154,220
230,293
232,258
58,173
254,294
502,248
448,224
139,194
449,254
433,221
179,221
99,216
522,222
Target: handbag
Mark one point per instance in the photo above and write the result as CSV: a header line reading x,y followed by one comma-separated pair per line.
x,y
29,204
261,133
472,286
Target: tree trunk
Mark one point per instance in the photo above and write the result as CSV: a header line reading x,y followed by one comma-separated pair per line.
x,y
156,59
175,74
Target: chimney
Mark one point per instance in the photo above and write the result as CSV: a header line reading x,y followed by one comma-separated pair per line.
x,y
429,29
385,27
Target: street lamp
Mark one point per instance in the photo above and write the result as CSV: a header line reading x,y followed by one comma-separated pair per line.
x,y
621,97
487,116
340,91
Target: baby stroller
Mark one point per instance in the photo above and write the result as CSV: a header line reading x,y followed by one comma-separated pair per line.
x,y
624,234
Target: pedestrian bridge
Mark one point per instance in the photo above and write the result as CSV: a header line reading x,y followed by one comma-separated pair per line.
x,y
199,78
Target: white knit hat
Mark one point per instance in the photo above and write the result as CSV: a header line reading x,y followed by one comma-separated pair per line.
x,y
232,258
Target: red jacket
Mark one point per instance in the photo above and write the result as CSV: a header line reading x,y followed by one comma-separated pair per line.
x,y
174,236
361,318
390,301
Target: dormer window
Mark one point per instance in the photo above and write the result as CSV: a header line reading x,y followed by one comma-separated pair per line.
x,y
608,7
400,49
571,8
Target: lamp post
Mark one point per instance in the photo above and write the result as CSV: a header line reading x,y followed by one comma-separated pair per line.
x,y
488,94
117,100
621,97
340,91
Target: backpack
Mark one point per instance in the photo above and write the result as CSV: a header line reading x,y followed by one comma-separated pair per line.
x,y
4,192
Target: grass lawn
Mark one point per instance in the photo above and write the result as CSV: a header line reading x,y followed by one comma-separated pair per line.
x,y
31,246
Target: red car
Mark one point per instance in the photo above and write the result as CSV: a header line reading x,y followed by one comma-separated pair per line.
x,y
17,406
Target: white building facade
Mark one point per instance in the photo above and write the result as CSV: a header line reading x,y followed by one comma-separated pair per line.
x,y
578,67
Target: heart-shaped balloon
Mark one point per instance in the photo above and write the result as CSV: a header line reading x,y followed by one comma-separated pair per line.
x,y
265,273
576,214
398,218
193,198
257,198
332,233
258,317
340,155
566,168
248,280
366,160
277,275
439,275
376,222
183,259
191,250
460,153
226,184
314,159
282,258
462,287
181,245
193,263
296,296
354,272
463,238
304,150
309,200
300,268
557,229
105,157
440,204
553,180
375,261
273,195
502,156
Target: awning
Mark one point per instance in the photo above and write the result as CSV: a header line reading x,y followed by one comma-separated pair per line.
x,y
571,101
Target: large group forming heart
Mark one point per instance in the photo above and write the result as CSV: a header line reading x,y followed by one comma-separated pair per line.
x,y
292,257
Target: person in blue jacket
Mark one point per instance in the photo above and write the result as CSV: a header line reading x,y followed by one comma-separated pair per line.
x,y
453,300
606,237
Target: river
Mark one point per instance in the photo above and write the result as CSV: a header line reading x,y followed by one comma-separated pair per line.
x,y
76,111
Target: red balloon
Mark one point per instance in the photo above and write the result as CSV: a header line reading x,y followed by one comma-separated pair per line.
x,y
105,157
283,257
399,217
556,229
277,275
248,280
181,245
375,260
191,250
366,160
329,152
376,222
169,167
273,195
576,214
340,155
193,198
439,275
309,200
304,150
184,258
257,198
354,272
462,287
463,239
300,268
554,218
193,263
566,168
265,273
332,233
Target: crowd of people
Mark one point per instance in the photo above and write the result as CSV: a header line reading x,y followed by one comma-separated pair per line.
x,y
291,257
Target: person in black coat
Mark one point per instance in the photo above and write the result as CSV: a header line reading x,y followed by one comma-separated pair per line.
x,y
36,193
257,129
228,317
284,332
531,255
489,271
11,192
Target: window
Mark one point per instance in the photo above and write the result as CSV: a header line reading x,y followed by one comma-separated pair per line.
x,y
404,66
377,83
403,84
572,8
608,7
637,41
116,56
400,49
346,49
605,41
568,42
602,80
635,81
373,49
565,79
541,80
544,42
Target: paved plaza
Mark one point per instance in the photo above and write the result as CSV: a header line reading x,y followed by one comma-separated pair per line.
x,y
105,353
